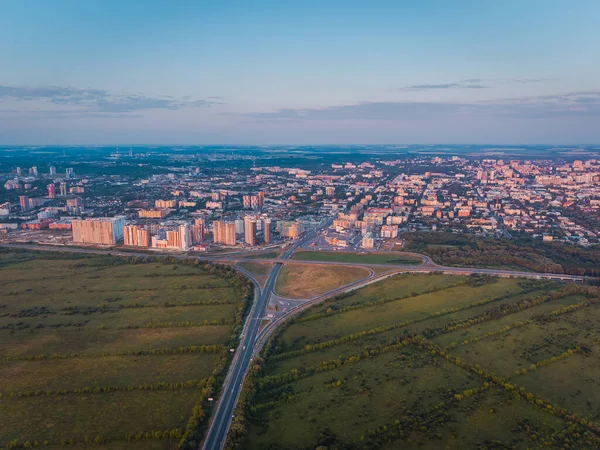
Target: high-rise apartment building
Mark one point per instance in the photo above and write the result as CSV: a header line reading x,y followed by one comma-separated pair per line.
x,y
33,171
24,202
330,191
136,236
267,230
52,170
261,199
250,230
185,236
51,191
198,231
19,171
63,189
102,230
254,201
224,232
70,173
239,226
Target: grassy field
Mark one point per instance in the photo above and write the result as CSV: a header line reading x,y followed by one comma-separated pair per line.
x,y
111,351
367,258
431,361
259,270
265,255
307,281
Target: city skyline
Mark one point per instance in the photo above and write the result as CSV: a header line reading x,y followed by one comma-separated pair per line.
x,y
101,73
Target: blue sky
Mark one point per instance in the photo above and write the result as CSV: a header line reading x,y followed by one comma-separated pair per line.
x,y
301,72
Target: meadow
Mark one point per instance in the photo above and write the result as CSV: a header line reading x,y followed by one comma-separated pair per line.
x,y
430,361
308,281
118,352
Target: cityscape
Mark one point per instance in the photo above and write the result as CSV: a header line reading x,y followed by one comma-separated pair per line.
x,y
371,203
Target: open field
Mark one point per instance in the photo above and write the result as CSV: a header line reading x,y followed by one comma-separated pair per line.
x,y
431,361
266,255
309,281
87,343
258,269
366,258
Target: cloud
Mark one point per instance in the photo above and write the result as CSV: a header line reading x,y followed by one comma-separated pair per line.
x,y
472,83
98,100
564,105
530,80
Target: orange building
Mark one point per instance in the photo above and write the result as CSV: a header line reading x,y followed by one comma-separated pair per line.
x,y
224,232
136,236
153,213
102,231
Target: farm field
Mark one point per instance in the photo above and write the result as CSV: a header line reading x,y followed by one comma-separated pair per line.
x,y
117,352
429,362
367,258
307,281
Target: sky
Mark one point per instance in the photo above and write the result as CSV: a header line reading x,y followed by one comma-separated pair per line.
x,y
102,72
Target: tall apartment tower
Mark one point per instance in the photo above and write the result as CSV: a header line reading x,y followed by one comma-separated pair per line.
x,y
136,236
250,231
52,170
261,199
198,230
102,230
24,202
19,171
51,191
185,236
267,230
63,189
69,172
34,171
224,233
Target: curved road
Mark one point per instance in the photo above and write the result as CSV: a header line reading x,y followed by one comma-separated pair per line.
x,y
217,432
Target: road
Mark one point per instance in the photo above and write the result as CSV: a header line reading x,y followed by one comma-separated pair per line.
x,y
217,432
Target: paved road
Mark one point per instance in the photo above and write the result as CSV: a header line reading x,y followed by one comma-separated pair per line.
x,y
217,433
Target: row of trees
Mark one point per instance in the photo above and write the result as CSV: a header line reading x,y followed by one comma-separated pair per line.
x,y
160,386
187,324
100,440
213,349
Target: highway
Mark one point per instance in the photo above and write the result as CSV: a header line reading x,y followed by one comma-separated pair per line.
x,y
219,426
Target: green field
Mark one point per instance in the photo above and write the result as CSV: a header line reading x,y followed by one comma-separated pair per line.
x,y
431,361
266,255
367,258
112,351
